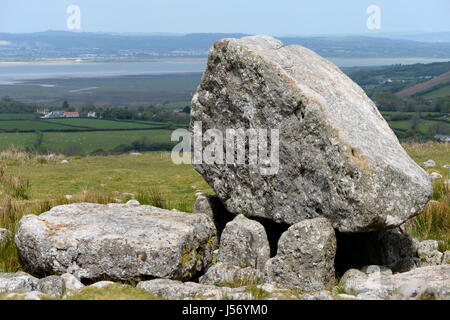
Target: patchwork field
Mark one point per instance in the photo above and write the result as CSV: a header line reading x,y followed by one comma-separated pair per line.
x,y
88,141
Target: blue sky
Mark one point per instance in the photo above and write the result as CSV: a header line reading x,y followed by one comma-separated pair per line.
x,y
276,17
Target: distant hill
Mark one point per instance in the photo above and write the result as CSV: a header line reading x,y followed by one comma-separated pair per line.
x,y
63,44
426,86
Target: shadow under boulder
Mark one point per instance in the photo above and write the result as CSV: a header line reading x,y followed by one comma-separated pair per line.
x,y
384,248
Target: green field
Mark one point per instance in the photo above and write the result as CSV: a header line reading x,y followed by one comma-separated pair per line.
x,y
438,93
16,116
114,174
103,124
88,141
31,125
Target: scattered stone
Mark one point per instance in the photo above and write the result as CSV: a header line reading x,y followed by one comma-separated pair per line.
x,y
177,290
244,244
429,164
71,282
64,161
68,197
202,204
32,295
305,258
222,274
275,292
19,281
374,269
446,257
446,166
101,284
322,295
428,252
435,175
116,242
135,154
343,296
432,281
133,203
338,158
53,286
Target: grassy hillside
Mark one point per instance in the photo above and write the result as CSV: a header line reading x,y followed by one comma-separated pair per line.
x,y
425,86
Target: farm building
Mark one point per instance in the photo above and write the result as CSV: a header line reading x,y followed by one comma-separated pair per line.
x,y
71,114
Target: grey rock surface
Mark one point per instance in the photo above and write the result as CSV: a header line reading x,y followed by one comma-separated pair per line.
x,y
428,252
322,295
116,242
244,244
19,281
102,284
53,286
435,175
222,274
305,258
338,157
72,283
429,164
177,290
30,295
374,269
426,282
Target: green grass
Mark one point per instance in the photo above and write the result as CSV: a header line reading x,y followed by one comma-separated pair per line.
x,y
438,93
102,124
16,116
89,141
25,125
113,292
113,174
434,222
423,127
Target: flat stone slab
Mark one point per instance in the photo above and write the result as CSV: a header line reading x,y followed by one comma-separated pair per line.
x,y
177,290
427,282
116,242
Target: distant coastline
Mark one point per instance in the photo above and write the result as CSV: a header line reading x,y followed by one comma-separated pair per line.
x,y
62,62
339,61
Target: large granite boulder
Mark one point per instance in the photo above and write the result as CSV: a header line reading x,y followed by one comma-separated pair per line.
x,y
116,242
338,158
305,258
